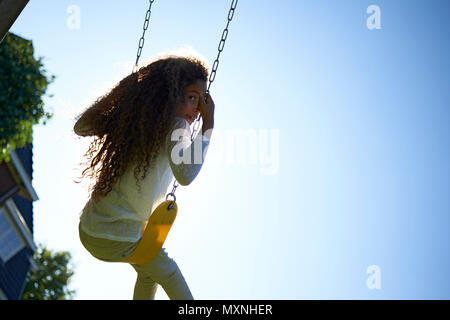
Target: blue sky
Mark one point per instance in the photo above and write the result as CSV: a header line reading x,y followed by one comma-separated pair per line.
x,y
352,122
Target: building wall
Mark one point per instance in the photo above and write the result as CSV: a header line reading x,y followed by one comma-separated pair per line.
x,y
13,272
26,207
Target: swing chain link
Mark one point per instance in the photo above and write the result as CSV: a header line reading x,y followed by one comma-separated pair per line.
x,y
172,193
142,39
212,76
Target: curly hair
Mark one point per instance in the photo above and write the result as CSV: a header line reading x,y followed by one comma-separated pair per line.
x,y
132,120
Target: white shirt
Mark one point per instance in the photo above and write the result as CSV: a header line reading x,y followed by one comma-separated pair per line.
x,y
120,214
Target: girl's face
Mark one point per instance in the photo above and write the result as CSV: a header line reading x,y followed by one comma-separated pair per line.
x,y
189,109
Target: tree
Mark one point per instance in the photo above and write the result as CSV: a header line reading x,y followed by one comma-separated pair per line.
x,y
50,280
23,82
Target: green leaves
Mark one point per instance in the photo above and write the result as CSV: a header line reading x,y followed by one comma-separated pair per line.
x,y
50,280
23,82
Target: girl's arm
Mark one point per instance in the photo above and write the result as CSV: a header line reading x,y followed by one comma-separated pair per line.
x,y
185,157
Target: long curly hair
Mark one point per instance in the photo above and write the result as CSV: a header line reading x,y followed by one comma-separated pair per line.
x,y
132,120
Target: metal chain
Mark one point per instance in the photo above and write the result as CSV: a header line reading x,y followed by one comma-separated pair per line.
x,y
212,76
142,39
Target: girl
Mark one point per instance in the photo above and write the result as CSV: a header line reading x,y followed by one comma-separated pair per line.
x,y
143,124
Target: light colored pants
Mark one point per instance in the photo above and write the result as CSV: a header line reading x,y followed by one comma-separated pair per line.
x,y
161,270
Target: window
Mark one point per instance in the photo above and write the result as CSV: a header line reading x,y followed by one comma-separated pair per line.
x,y
10,240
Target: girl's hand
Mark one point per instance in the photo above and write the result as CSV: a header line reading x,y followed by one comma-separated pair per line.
x,y
206,107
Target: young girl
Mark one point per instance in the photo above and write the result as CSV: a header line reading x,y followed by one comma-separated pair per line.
x,y
138,125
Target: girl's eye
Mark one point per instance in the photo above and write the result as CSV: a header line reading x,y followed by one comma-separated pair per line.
x,y
192,97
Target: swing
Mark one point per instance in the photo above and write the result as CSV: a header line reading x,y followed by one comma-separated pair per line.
x,y
155,233
163,217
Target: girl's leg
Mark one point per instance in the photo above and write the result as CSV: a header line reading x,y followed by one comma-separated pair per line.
x,y
145,288
161,270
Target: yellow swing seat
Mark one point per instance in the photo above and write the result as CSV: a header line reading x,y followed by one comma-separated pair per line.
x,y
155,233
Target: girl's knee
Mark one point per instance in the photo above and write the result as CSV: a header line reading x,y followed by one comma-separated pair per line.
x,y
159,271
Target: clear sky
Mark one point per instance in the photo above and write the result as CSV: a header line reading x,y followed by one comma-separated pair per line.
x,y
342,132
